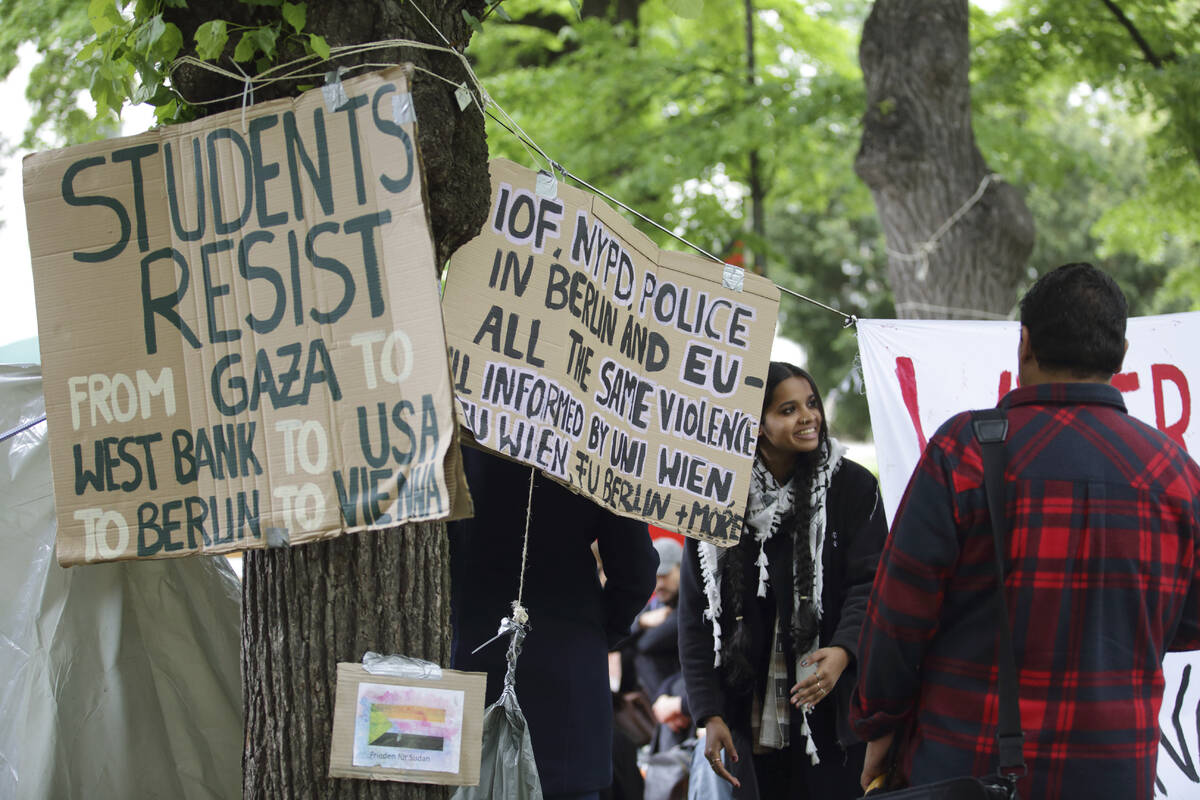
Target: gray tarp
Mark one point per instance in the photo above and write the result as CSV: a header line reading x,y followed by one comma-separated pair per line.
x,y
116,680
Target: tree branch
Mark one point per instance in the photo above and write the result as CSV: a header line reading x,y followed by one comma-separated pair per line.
x,y
1143,45
551,23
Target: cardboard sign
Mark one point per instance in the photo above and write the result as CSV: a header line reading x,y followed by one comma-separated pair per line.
x,y
407,729
633,375
919,373
240,333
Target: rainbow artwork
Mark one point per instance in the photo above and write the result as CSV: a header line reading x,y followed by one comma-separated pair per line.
x,y
408,727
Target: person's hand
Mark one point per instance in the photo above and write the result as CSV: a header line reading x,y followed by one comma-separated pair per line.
x,y
830,663
716,739
669,711
875,763
667,707
679,723
654,617
614,671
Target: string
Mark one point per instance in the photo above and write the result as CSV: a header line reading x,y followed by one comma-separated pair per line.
x,y
519,613
298,68
247,94
285,72
910,305
414,4
10,434
923,251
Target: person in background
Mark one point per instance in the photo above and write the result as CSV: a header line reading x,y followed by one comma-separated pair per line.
x,y
562,673
768,628
1101,574
656,650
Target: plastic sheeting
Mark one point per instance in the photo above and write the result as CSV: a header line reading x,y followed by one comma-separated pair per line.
x,y
116,680
506,765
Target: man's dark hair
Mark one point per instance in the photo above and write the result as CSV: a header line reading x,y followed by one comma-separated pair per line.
x,y
1076,320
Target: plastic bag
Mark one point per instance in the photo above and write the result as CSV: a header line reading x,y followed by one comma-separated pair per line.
x,y
506,765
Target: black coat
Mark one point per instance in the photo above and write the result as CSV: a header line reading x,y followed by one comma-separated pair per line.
x,y
854,536
562,673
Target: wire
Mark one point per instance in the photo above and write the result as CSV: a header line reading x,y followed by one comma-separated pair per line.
x,y
293,70
850,319
10,434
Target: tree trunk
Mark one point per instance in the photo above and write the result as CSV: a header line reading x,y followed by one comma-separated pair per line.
x,y
758,211
919,158
306,608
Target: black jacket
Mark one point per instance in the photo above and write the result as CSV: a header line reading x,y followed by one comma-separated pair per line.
x,y
855,531
562,673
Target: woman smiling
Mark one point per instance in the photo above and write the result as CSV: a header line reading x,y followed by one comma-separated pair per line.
x,y
769,627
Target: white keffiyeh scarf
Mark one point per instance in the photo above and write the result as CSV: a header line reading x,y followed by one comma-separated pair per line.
x,y
766,506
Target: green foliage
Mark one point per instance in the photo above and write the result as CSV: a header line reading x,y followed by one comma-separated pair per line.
x,y
121,51
1105,144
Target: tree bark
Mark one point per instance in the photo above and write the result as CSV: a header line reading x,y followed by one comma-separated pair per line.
x,y
919,158
306,608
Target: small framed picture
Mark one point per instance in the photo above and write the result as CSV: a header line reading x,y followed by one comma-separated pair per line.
x,y
413,730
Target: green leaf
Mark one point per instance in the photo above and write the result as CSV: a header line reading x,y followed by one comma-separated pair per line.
x,y
578,10
211,38
501,13
166,112
104,16
296,15
162,95
141,94
473,21
267,35
176,3
247,46
149,32
688,9
319,46
170,43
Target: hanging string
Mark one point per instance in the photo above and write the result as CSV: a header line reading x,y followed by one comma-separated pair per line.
x,y
20,428
921,256
519,612
518,624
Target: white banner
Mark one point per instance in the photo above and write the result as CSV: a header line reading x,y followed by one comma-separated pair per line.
x,y
919,373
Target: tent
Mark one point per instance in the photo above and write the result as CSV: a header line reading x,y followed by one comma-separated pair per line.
x,y
116,680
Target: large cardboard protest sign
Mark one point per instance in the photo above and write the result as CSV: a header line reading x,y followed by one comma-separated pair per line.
x,y
634,375
240,330
919,373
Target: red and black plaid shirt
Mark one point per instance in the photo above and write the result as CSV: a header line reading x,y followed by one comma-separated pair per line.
x,y
1101,581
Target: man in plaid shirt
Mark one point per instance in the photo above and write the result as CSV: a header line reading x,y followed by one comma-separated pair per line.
x,y
1100,575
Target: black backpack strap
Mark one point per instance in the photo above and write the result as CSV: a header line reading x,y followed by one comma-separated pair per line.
x,y
991,429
